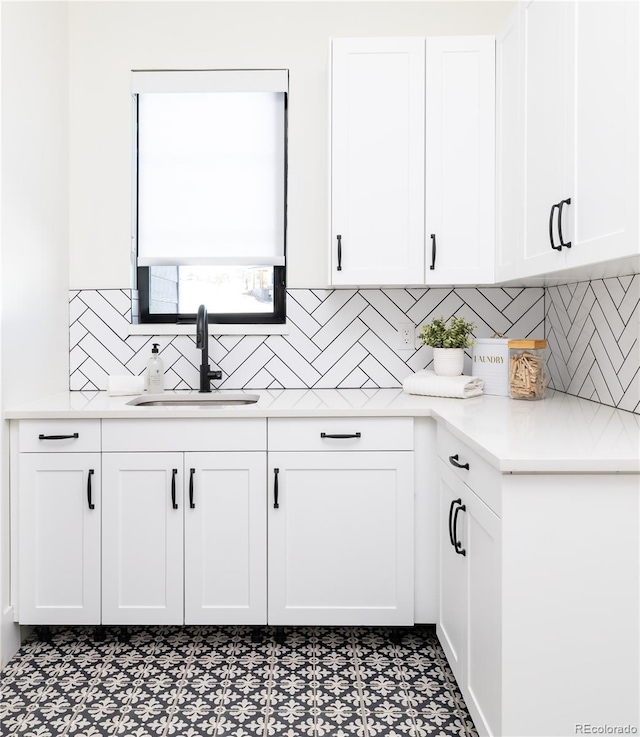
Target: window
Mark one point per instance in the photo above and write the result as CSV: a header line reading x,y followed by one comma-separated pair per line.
x,y
210,209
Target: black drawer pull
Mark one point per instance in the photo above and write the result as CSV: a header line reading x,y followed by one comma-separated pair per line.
x,y
339,268
453,504
276,471
458,545
453,460
560,206
553,245
191,502
89,499
433,252
338,436
174,473
58,437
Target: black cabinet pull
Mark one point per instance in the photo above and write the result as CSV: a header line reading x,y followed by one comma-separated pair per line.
x,y
89,499
192,472
339,237
457,544
560,206
58,437
338,436
433,252
173,487
555,248
453,460
453,504
276,471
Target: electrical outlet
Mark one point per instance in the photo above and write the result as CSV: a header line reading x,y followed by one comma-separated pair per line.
x,y
407,335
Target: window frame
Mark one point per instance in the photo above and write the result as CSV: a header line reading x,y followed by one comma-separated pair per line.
x,y
142,275
276,317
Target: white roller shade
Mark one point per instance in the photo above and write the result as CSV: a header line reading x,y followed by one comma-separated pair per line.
x,y
223,80
211,171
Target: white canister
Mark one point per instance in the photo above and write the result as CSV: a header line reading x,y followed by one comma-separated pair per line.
x,y
490,363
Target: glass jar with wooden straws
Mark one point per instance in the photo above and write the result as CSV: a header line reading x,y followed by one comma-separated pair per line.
x,y
527,379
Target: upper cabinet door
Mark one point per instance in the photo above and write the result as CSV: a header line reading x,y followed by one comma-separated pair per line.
x,y
509,143
580,127
547,47
460,165
377,161
605,177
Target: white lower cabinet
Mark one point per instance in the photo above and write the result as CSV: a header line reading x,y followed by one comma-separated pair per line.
x,y
340,523
532,566
469,622
59,538
150,532
184,538
225,543
340,538
142,538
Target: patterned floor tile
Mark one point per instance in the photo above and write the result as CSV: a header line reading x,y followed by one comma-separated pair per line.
x,y
35,722
197,681
87,725
294,721
389,725
229,725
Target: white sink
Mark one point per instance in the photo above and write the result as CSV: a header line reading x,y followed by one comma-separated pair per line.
x,y
215,399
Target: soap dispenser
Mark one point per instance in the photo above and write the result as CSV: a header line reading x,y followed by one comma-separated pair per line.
x,y
156,372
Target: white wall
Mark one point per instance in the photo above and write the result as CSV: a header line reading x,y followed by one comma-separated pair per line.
x,y
35,206
107,40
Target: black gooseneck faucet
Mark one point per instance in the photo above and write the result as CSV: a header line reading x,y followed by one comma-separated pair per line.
x,y
202,343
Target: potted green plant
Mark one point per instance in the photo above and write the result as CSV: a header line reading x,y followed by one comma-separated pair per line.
x,y
448,338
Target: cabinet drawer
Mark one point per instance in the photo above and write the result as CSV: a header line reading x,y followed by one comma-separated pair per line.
x,y
481,476
59,436
183,435
363,433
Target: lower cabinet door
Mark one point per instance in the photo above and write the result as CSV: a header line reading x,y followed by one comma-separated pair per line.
x,y
452,615
142,538
225,546
340,538
483,672
469,622
59,562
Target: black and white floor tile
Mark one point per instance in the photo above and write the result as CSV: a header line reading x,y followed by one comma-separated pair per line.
x,y
200,681
340,338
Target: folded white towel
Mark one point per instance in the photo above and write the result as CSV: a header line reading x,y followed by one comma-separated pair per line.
x,y
120,386
431,385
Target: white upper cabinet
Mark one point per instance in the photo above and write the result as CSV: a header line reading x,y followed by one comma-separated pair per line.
x,y
460,154
385,152
570,136
509,134
606,133
547,39
377,161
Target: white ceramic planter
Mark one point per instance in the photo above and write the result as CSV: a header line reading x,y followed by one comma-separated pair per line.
x,y
448,361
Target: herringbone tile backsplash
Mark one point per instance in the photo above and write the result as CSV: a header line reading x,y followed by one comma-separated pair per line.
x,y
348,338
337,338
593,329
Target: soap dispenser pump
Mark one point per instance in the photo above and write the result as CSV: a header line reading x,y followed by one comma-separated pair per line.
x,y
156,372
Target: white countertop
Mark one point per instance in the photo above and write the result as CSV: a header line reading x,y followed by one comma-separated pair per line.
x,y
560,434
